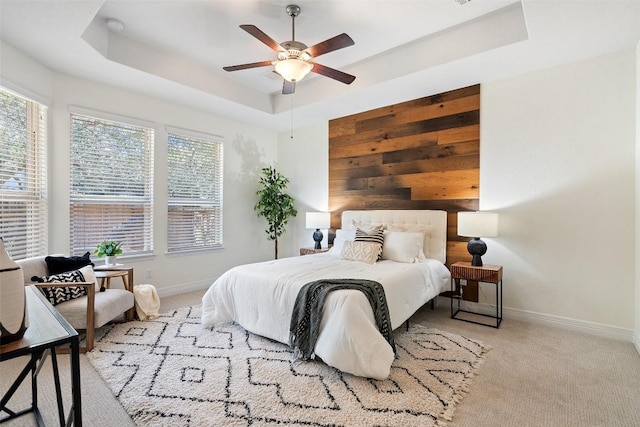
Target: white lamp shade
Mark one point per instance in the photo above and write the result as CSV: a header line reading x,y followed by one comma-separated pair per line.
x,y
293,69
318,220
477,224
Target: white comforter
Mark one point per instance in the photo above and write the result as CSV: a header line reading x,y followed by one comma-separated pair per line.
x,y
260,298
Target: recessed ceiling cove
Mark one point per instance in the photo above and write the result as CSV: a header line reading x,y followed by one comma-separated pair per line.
x,y
190,42
176,50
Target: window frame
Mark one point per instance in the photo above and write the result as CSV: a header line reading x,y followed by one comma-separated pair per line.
x,y
33,235
144,241
213,202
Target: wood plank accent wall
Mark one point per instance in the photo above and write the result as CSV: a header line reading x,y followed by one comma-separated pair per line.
x,y
420,154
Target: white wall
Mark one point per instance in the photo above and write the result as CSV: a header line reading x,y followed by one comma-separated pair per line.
x,y
636,338
20,73
557,162
246,150
304,160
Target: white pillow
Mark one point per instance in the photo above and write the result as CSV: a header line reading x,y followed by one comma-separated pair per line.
x,y
403,247
89,276
410,228
425,229
365,226
360,251
341,237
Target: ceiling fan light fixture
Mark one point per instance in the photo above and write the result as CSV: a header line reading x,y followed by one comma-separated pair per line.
x,y
293,69
294,58
305,56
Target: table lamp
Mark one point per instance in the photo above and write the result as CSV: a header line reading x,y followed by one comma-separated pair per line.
x,y
476,225
318,220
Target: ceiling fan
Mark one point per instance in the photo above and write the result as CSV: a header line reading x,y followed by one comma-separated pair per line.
x,y
294,59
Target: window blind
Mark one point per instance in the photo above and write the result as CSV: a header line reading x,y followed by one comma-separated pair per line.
x,y
194,191
23,201
111,191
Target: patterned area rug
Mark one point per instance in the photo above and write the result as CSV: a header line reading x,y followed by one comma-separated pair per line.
x,y
169,371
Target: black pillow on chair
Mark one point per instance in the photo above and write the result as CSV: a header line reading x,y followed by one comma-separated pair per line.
x,y
61,264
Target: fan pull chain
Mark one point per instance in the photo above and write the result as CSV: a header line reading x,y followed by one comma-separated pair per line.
x,y
291,134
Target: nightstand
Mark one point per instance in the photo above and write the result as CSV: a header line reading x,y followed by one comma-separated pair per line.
x,y
309,251
486,274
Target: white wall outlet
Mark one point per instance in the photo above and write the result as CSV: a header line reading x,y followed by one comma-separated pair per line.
x,y
147,273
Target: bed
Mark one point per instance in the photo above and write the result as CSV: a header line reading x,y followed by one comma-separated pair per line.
x,y
260,296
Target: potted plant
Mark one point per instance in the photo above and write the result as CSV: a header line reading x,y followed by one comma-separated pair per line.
x,y
109,249
274,204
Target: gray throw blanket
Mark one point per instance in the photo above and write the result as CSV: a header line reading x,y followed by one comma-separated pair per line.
x,y
307,312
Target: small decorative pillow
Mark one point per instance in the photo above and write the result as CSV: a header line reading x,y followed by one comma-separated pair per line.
x,y
62,264
59,294
375,236
403,247
360,251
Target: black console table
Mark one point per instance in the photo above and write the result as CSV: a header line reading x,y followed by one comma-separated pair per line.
x,y
47,330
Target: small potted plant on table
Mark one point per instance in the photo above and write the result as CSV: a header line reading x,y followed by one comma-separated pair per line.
x,y
109,249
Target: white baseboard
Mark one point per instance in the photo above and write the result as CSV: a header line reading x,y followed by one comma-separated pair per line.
x,y
184,288
592,328
636,341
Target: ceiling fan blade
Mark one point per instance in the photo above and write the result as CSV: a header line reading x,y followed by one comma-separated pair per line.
x,y
329,45
288,87
332,73
257,33
245,66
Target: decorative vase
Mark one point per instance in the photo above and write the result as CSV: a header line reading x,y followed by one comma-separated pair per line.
x,y
13,307
110,260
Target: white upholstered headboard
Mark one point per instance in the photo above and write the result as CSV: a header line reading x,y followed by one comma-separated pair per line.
x,y
435,222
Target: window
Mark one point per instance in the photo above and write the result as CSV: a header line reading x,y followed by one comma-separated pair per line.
x,y
23,202
111,184
195,191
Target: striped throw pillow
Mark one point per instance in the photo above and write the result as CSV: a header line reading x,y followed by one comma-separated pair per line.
x,y
57,295
375,236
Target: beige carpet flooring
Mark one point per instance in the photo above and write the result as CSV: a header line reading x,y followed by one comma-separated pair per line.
x,y
533,376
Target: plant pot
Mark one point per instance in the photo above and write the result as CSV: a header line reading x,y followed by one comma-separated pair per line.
x,y
13,307
110,260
